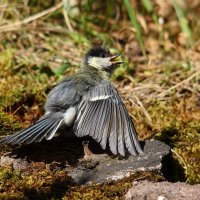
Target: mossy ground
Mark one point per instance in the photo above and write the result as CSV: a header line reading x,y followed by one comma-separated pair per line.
x,y
160,90
43,184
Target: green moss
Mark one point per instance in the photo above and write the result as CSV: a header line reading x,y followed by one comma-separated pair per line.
x,y
6,61
42,184
7,174
110,190
181,131
39,184
8,123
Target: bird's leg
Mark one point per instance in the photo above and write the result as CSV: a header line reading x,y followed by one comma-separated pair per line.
x,y
89,160
87,152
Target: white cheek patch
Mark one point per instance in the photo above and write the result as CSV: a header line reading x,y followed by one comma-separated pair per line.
x,y
69,116
98,63
100,98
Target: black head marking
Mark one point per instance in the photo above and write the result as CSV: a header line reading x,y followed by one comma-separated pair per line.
x,y
98,51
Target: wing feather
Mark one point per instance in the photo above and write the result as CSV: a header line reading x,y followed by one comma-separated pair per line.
x,y
121,149
113,130
107,121
93,117
84,128
103,116
81,114
100,120
128,137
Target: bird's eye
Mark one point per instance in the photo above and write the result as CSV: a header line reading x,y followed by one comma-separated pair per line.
x,y
103,56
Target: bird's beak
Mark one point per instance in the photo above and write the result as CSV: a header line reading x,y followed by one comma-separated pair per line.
x,y
113,59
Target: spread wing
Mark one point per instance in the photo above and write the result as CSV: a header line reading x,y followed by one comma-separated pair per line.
x,y
103,116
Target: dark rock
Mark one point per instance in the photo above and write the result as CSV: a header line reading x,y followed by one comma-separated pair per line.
x,y
87,167
145,190
110,169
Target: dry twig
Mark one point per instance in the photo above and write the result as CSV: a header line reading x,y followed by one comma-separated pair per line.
x,y
14,26
162,94
66,16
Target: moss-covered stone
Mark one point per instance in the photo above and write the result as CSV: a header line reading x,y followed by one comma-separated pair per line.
x,y
42,184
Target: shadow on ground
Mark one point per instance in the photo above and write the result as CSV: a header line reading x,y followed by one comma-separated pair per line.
x,y
60,149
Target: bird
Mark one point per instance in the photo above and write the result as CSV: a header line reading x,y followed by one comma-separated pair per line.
x,y
89,103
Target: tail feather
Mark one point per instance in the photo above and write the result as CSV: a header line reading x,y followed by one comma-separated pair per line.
x,y
19,135
41,132
24,135
40,136
45,127
51,134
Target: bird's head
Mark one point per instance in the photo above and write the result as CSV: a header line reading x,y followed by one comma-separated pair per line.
x,y
101,59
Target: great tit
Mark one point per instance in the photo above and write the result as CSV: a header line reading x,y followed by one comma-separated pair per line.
x,y
89,103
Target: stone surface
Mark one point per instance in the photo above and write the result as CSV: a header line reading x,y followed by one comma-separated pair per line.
x,y
110,169
89,166
145,190
10,160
